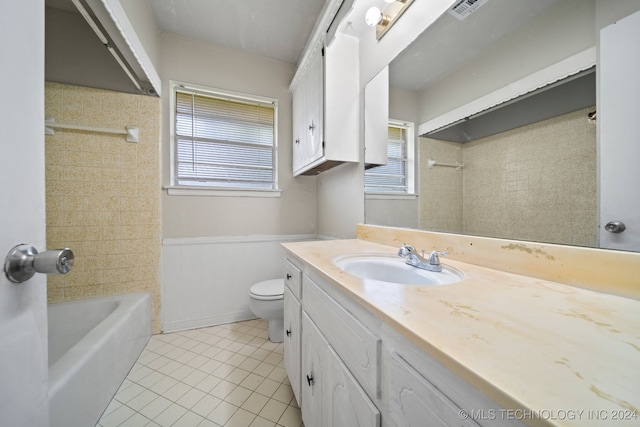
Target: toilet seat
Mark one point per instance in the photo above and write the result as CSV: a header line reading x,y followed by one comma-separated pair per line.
x,y
268,290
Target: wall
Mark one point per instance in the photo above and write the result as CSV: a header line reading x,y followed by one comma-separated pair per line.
x,y
536,183
140,14
441,188
102,194
398,210
216,247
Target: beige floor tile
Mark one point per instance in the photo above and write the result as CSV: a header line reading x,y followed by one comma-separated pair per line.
x,y
222,376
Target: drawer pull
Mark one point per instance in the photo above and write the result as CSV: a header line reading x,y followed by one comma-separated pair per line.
x,y
310,380
288,276
288,332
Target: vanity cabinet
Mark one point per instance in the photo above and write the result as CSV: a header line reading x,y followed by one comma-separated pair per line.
x,y
292,325
326,99
352,369
412,399
330,394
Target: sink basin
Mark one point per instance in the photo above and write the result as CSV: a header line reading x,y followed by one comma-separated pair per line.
x,y
392,269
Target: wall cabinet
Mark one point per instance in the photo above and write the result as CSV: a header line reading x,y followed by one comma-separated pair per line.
x,y
308,115
326,101
351,369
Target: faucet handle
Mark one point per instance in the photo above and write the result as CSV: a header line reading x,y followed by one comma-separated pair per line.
x,y
433,257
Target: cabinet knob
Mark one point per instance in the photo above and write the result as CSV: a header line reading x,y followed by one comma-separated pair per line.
x,y
288,331
297,140
288,276
310,380
311,127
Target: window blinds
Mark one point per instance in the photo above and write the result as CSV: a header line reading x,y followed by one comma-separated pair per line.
x,y
224,142
392,177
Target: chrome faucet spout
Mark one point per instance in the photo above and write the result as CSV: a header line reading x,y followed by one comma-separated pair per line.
x,y
405,250
408,252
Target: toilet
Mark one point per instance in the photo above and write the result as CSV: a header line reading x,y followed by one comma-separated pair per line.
x,y
266,300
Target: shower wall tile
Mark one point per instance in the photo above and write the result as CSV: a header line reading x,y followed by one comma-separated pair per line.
x,y
536,182
103,194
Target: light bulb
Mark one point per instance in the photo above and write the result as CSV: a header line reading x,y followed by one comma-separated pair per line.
x,y
373,16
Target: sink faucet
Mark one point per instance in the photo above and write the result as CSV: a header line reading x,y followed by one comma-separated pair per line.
x,y
408,252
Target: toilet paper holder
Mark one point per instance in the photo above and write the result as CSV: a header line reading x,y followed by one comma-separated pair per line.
x,y
23,261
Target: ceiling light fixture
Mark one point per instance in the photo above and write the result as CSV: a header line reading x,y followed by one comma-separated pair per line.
x,y
375,17
383,20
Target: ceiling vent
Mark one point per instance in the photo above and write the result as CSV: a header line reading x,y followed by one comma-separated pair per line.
x,y
464,8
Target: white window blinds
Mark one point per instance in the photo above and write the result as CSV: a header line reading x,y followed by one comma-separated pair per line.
x,y
392,177
224,142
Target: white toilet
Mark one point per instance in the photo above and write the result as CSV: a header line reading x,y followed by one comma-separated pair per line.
x,y
266,300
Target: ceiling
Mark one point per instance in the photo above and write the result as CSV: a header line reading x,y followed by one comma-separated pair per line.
x,y
276,29
451,43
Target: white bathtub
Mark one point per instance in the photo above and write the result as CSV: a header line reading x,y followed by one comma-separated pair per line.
x,y
92,346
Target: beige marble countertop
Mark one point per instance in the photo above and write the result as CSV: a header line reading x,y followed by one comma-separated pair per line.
x,y
569,355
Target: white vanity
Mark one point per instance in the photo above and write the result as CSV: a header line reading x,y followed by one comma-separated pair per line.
x,y
360,352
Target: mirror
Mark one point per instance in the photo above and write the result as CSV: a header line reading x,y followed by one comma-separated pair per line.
x,y
536,180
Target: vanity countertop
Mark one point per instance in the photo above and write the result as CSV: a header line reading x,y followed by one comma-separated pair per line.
x,y
553,354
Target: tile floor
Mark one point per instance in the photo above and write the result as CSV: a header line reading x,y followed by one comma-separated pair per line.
x,y
228,375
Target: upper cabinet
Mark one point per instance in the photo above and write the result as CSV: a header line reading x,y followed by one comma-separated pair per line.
x,y
308,115
326,108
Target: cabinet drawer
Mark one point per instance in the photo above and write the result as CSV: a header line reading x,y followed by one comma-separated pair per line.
x,y
293,278
354,343
415,402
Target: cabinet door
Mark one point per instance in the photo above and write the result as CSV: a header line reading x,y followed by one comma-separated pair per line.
x,y
315,369
299,118
314,91
330,394
415,402
292,326
347,403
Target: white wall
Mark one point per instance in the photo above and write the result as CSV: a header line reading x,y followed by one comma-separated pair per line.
x,y
205,64
215,248
340,190
142,18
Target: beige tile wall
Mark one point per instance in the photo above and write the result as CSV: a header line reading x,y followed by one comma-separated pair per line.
x,y
536,182
441,191
103,194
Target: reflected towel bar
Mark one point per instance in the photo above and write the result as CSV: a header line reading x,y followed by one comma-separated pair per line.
x,y
431,163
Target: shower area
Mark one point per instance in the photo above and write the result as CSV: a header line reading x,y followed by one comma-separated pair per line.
x,y
102,193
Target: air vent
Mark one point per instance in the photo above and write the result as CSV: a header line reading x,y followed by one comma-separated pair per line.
x,y
464,8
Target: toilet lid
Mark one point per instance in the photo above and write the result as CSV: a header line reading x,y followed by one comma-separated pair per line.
x,y
271,289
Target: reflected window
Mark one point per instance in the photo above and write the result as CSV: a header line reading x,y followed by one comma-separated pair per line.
x,y
397,176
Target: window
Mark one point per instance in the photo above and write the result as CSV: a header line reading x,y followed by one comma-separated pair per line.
x,y
396,177
223,140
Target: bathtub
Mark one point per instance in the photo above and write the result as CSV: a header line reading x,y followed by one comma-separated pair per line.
x,y
92,346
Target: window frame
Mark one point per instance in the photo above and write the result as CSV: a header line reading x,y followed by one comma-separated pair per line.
x,y
410,166
174,189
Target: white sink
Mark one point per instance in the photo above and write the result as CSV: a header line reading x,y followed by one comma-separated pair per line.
x,y
392,269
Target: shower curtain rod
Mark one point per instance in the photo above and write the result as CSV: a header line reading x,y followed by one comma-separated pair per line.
x,y
131,132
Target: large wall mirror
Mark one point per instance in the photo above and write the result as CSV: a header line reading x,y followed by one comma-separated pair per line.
x,y
511,140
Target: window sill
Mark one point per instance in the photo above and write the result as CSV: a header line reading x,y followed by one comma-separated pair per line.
x,y
389,196
220,192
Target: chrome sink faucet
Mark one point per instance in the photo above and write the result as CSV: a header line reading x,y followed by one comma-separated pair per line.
x,y
411,258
